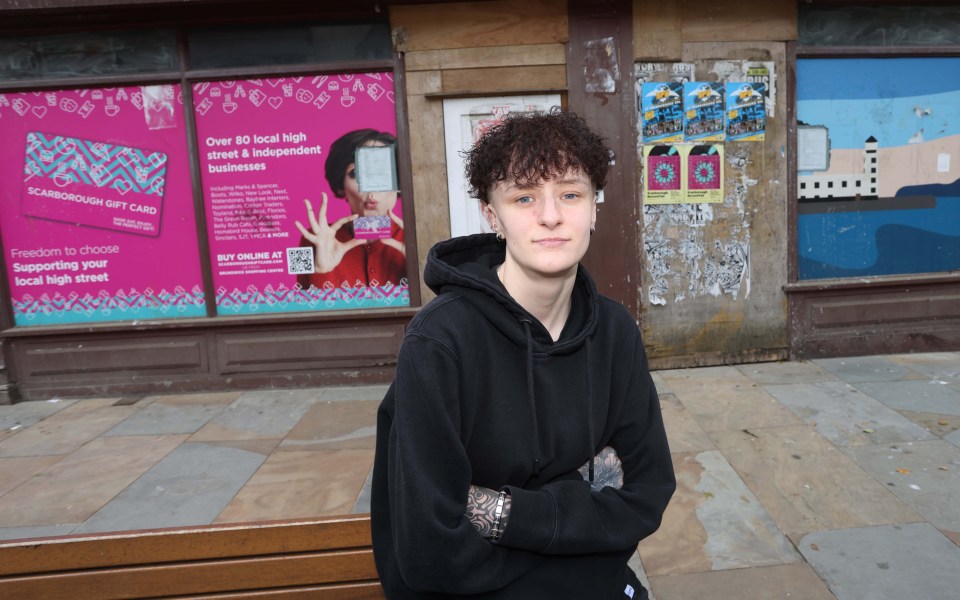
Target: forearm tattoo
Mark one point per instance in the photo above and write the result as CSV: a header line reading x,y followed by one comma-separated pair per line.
x,y
607,470
481,509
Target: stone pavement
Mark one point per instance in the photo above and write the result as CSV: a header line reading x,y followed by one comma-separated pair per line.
x,y
829,479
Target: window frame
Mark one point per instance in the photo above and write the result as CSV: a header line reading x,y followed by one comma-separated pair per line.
x,y
797,50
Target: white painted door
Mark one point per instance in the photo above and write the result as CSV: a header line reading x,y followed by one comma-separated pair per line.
x,y
464,121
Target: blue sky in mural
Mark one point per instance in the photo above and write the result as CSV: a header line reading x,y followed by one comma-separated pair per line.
x,y
890,92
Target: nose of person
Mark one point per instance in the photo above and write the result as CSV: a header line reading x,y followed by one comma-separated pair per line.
x,y
550,215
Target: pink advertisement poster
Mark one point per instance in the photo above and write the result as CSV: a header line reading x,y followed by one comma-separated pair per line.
x,y
300,189
96,208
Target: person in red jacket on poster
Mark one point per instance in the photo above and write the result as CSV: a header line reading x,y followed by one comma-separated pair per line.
x,y
340,257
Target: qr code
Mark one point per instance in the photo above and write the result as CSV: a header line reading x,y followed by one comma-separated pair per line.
x,y
299,261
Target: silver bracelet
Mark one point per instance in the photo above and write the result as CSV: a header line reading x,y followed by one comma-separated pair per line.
x,y
497,514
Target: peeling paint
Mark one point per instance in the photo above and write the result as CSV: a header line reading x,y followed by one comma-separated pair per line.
x,y
601,69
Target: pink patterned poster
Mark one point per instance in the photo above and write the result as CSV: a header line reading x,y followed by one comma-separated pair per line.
x,y
301,193
96,208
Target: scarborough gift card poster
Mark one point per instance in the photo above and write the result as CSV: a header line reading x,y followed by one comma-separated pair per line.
x,y
96,206
269,146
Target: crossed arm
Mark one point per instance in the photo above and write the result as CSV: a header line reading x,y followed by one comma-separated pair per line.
x,y
482,502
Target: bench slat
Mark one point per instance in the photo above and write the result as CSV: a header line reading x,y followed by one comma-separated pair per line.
x,y
182,544
349,591
196,577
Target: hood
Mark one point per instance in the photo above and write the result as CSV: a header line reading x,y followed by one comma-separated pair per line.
x,y
465,265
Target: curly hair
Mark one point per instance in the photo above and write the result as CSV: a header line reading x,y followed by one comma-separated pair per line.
x,y
528,148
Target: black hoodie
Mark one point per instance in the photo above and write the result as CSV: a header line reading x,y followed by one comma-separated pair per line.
x,y
484,396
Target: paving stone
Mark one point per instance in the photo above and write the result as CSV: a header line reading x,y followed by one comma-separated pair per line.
x,y
200,399
786,372
346,424
362,505
41,531
79,484
793,582
806,484
357,392
301,484
713,522
17,417
864,368
940,425
894,561
67,430
928,479
845,416
662,386
733,401
683,432
191,486
921,396
953,438
16,470
938,366
160,419
258,415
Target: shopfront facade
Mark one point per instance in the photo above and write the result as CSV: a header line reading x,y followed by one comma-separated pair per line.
x,y
164,167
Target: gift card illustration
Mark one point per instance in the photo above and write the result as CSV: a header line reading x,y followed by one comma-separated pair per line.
x,y
91,183
371,228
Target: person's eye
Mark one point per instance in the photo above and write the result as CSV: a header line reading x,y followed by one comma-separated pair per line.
x,y
524,200
571,196
352,173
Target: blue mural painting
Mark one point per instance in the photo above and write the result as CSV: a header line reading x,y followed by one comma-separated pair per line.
x,y
890,201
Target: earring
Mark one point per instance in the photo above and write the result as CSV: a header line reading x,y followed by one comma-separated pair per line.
x,y
499,237
592,229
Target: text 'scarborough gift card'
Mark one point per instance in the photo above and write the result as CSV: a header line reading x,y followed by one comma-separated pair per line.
x,y
93,183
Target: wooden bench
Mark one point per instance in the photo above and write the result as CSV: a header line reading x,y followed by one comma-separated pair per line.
x,y
321,558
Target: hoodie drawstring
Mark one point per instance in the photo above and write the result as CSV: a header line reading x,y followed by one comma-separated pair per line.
x,y
592,449
531,397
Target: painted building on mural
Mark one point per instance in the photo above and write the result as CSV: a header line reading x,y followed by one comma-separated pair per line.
x,y
862,185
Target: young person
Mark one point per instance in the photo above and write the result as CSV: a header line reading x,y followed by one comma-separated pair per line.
x,y
520,450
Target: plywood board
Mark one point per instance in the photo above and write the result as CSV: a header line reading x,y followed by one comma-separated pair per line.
x,y
737,21
497,80
657,29
478,24
496,56
429,177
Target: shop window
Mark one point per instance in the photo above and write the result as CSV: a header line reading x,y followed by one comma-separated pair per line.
x,y
72,55
98,208
906,113
98,216
288,44
271,151
824,25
